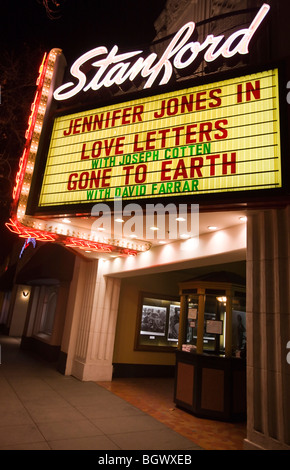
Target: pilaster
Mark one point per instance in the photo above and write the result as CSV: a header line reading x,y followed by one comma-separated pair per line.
x,y
96,322
268,329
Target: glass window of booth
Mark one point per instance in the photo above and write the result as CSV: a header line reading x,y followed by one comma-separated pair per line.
x,y
215,321
239,331
192,314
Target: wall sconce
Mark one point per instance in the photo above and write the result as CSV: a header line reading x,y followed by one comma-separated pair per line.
x,y
25,294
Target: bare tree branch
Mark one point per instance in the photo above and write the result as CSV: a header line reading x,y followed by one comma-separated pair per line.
x,y
53,8
18,74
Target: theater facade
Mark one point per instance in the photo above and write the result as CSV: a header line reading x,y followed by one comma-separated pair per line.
x,y
153,212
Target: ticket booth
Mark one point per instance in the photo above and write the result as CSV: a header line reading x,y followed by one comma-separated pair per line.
x,y
210,377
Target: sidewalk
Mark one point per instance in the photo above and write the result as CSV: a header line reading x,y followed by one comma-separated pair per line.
x,y
40,409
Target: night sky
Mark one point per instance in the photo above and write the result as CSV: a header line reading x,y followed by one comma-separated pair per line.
x,y
28,32
81,25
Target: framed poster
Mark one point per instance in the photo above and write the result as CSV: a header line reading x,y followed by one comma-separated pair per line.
x,y
153,320
157,322
173,326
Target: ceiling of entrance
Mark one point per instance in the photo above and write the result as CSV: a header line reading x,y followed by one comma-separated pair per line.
x,y
140,231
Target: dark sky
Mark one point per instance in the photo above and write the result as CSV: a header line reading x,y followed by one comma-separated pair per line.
x,y
82,25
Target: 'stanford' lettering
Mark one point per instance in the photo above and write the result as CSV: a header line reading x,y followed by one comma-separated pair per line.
x,y
115,69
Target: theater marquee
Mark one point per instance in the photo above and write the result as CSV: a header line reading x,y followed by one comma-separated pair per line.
x,y
215,138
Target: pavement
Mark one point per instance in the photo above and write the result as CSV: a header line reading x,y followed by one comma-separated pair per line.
x,y
41,409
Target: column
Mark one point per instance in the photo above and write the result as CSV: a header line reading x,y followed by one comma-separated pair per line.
x,y
268,329
182,322
95,323
229,328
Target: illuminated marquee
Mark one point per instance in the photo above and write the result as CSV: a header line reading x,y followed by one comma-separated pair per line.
x,y
214,138
116,69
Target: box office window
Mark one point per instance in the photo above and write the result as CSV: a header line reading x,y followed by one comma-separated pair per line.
x,y
212,313
158,322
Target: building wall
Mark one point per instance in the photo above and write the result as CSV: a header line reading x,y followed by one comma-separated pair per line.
x,y
124,350
6,297
20,308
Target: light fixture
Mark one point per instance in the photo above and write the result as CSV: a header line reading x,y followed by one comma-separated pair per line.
x,y
212,227
221,299
25,293
154,228
184,235
119,220
243,218
180,219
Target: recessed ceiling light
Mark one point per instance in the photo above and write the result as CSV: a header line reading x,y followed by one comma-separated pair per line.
x,y
212,227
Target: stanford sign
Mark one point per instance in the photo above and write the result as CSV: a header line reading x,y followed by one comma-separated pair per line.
x,y
115,69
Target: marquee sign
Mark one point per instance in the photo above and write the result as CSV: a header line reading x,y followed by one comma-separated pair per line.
x,y
209,139
215,138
